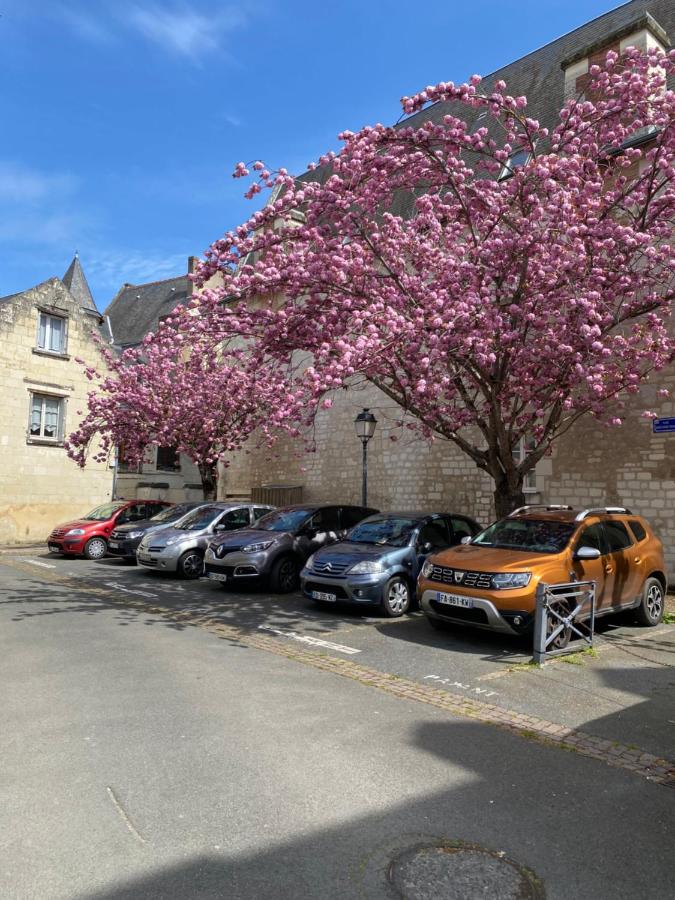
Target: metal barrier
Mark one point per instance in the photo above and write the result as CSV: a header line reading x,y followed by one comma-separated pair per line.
x,y
558,608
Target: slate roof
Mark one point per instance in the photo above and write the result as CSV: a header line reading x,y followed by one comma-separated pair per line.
x,y
137,309
539,75
76,282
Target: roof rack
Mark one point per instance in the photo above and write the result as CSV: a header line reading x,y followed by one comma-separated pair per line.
x,y
616,510
522,509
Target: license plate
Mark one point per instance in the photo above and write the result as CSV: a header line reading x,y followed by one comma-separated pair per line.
x,y
54,548
327,598
113,544
144,557
216,576
453,599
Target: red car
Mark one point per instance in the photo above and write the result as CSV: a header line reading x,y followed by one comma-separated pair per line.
x,y
88,536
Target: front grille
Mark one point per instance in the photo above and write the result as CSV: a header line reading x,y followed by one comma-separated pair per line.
x,y
326,588
330,568
446,575
157,549
58,532
470,614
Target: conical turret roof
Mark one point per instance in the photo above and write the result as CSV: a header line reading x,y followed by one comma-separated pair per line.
x,y
75,281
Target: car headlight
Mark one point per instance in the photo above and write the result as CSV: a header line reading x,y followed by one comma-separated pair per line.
x,y
255,548
367,567
174,540
310,561
506,580
132,534
427,569
75,531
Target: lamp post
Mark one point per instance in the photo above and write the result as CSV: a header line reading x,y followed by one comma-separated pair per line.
x,y
365,424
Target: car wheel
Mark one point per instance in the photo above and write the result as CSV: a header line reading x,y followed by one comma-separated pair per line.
x,y
95,548
191,564
285,575
396,598
562,639
650,610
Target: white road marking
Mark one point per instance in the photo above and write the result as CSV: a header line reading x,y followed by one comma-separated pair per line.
x,y
312,641
119,587
125,816
460,685
35,562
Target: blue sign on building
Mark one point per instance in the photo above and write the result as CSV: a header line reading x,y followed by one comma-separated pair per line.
x,y
660,426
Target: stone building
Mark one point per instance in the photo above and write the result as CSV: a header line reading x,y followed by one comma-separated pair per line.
x,y
591,465
42,331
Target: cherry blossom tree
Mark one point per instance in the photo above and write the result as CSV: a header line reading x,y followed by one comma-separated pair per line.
x,y
181,388
495,279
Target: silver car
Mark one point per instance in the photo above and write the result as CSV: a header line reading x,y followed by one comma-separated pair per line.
x,y
181,547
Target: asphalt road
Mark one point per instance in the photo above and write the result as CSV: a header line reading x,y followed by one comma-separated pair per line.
x,y
147,757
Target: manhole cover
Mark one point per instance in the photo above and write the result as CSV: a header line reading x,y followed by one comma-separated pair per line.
x,y
461,872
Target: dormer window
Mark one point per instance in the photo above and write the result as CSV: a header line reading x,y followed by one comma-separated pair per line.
x,y
516,160
51,336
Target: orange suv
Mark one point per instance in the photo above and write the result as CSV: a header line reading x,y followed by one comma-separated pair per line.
x,y
491,580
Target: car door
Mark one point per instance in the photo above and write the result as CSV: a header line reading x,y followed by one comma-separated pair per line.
x,y
598,570
432,537
626,563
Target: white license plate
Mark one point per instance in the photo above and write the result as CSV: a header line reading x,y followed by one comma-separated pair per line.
x,y
54,548
453,599
113,544
327,598
217,576
144,557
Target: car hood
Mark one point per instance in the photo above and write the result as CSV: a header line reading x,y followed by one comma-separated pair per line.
x,y
79,523
492,559
235,540
142,525
346,552
161,536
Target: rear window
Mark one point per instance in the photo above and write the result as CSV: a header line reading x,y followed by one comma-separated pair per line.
x,y
637,529
617,536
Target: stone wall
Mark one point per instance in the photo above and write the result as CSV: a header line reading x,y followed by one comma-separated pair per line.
x,y
39,485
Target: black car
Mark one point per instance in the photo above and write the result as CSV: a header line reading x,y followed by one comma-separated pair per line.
x,y
125,539
279,544
381,557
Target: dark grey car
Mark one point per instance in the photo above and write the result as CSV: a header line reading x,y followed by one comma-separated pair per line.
x,y
279,544
380,559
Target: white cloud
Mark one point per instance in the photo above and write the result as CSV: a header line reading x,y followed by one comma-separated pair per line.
x,y
183,30
115,266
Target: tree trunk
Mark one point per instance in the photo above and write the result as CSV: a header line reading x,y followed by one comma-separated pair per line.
x,y
209,475
507,496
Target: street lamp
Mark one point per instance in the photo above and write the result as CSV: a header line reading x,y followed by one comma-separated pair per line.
x,y
365,424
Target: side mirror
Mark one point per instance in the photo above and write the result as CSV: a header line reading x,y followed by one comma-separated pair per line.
x,y
587,553
427,547
466,539
220,527
309,533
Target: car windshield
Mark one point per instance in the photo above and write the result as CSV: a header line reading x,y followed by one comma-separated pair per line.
x,y
394,531
102,513
199,518
529,535
283,519
171,513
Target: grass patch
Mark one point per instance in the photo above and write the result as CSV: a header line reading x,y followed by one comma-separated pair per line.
x,y
577,659
530,666
669,618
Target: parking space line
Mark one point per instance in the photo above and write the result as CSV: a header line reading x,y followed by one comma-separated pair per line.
x,y
308,639
36,562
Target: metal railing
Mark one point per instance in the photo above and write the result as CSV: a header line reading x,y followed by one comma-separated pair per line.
x,y
563,611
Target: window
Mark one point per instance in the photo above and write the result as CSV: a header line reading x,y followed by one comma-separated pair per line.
x,y
638,530
461,528
352,515
168,459
235,518
434,533
51,333
46,417
259,511
524,447
123,465
617,536
517,159
325,520
592,537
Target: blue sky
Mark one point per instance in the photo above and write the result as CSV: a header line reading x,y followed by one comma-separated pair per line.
x,y
123,120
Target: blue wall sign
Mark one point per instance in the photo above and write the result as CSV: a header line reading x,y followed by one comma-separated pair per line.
x,y
660,426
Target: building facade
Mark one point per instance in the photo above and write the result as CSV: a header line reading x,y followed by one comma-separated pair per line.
x,y
42,332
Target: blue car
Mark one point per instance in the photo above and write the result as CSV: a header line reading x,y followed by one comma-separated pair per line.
x,y
379,561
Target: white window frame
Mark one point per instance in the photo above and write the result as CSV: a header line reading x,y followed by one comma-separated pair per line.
x,y
48,319
60,421
520,451
508,168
